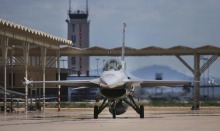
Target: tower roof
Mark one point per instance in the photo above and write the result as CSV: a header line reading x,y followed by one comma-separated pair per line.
x,y
78,15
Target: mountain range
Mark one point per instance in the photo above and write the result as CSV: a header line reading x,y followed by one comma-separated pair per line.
x,y
165,72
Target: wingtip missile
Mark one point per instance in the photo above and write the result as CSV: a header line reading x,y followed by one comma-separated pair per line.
x,y
26,82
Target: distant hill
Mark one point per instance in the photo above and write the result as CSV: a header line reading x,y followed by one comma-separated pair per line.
x,y
149,72
167,73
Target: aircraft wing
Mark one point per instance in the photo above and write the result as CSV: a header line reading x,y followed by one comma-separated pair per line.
x,y
154,83
10,92
78,83
134,81
2,92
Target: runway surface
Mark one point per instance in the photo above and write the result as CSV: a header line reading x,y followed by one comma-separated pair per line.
x,y
156,119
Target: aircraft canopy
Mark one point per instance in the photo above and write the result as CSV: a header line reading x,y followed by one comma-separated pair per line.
x,y
112,64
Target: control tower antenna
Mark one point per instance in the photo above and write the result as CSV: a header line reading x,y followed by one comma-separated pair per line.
x,y
87,7
69,6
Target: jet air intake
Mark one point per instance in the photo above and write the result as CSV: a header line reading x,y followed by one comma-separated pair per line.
x,y
113,93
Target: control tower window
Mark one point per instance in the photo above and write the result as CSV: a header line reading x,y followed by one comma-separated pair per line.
x,y
73,27
113,64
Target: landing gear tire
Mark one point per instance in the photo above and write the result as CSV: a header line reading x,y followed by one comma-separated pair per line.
x,y
114,113
96,112
141,111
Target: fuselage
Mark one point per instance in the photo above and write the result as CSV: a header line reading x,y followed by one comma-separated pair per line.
x,y
113,81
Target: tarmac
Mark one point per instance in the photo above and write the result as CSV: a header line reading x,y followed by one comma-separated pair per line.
x,y
156,119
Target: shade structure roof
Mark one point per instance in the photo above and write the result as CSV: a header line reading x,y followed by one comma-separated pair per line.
x,y
18,33
146,51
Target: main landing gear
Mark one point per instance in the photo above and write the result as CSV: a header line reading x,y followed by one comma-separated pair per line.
x,y
132,103
117,107
99,109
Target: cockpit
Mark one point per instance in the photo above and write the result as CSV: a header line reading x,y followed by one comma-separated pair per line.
x,y
112,64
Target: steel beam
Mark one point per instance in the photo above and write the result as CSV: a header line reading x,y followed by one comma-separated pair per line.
x,y
208,63
185,63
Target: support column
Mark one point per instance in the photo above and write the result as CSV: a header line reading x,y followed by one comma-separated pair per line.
x,y
196,102
58,71
12,72
4,54
26,58
43,60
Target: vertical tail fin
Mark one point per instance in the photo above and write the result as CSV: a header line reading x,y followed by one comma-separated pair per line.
x,y
123,44
123,48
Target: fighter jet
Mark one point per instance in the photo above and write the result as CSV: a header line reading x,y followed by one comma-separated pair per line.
x,y
10,92
116,87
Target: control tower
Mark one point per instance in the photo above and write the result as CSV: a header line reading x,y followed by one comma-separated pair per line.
x,y
78,33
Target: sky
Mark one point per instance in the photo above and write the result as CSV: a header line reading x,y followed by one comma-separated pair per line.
x,y
162,23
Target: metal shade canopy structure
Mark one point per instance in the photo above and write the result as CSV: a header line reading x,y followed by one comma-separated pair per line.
x,y
22,42
147,51
19,41
177,51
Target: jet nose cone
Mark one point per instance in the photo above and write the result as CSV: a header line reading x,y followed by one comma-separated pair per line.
x,y
110,80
